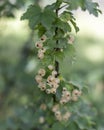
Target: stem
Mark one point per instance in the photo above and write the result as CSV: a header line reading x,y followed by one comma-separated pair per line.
x,y
63,6
56,62
57,49
57,67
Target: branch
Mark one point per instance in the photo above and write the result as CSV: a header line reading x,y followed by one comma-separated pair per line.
x,y
57,49
63,6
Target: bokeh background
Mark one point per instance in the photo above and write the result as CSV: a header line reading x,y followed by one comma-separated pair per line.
x,y
18,94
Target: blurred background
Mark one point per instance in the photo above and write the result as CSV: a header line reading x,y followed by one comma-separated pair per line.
x,y
18,94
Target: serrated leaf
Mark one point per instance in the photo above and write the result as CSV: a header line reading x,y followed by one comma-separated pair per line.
x,y
52,6
74,25
92,7
59,56
72,126
80,85
63,25
41,30
62,43
58,126
74,4
33,14
48,16
58,3
83,123
70,51
55,5
68,16
36,16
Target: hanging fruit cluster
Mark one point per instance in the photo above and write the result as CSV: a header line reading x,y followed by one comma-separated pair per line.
x,y
48,79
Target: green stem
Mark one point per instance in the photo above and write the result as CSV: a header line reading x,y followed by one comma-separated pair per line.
x,y
63,6
56,62
57,49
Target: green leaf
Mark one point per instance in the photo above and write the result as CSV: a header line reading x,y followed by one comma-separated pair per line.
x,y
33,14
74,4
55,5
70,52
58,3
72,126
59,56
47,18
41,30
92,7
83,123
68,16
51,43
74,25
62,43
58,126
52,6
63,25
77,83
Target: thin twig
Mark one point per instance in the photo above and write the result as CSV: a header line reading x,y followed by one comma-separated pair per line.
x,y
63,6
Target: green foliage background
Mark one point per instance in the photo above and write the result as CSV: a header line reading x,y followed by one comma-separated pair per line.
x,y
20,98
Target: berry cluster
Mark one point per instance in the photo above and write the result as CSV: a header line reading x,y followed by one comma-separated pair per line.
x,y
76,94
52,82
39,79
67,96
41,49
60,116
49,81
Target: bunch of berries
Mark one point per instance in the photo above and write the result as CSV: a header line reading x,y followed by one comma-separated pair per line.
x,y
66,96
41,49
60,116
51,83
40,80
76,94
